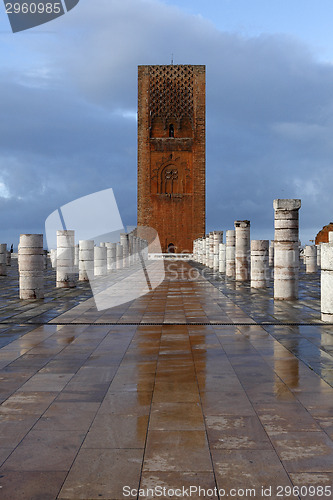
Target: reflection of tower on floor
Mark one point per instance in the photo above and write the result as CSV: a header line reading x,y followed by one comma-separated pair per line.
x,y
171,154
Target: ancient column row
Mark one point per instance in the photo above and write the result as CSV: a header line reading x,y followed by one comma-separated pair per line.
x,y
244,260
86,258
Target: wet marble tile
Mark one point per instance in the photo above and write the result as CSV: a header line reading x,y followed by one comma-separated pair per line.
x,y
241,432
176,416
117,431
47,382
177,451
226,403
304,451
181,483
249,470
45,451
126,403
65,416
30,485
282,418
313,485
100,474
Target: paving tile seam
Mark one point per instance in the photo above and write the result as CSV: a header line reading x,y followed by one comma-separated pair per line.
x,y
83,323
149,417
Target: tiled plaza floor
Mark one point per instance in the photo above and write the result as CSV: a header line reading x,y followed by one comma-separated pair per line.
x,y
97,401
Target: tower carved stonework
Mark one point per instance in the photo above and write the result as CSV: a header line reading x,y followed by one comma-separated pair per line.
x,y
171,153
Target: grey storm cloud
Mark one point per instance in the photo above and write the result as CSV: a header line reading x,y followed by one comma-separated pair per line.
x,y
269,116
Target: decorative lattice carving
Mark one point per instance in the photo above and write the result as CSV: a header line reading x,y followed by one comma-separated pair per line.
x,y
171,92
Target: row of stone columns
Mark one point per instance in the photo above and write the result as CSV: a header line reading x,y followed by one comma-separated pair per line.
x,y
244,260
86,258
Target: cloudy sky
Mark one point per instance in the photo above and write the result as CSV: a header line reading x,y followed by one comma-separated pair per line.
x,y
69,96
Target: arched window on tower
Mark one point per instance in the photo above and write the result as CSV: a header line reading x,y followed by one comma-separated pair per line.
x,y
171,130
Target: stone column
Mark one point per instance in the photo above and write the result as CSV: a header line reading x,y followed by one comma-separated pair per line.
x,y
31,264
131,248
271,254
259,263
222,257
119,256
111,256
195,251
45,258
286,249
230,268
125,244
311,259
3,259
100,254
65,259
207,250
76,256
199,250
217,239
203,251
242,249
211,250
318,255
326,282
8,258
86,259
53,253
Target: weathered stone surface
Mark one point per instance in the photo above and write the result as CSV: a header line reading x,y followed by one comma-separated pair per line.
x,y
65,259
242,250
287,204
311,258
230,253
86,259
286,249
31,279
259,263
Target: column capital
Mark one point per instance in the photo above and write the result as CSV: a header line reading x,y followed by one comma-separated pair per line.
x,y
287,204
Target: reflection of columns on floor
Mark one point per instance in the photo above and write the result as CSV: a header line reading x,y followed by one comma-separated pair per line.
x,y
310,259
31,264
327,282
65,259
3,259
286,249
230,268
222,257
287,365
259,263
318,255
119,256
242,250
86,259
271,254
217,239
